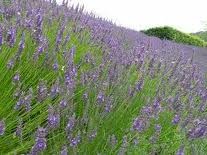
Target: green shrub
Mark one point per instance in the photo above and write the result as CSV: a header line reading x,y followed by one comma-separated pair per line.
x,y
202,35
175,35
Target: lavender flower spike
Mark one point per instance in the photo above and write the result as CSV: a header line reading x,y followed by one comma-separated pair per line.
x,y
75,141
100,97
40,145
55,89
176,119
42,91
198,132
41,132
40,141
63,103
64,151
71,123
10,64
139,124
1,37
11,36
21,46
181,151
16,78
2,127
18,131
53,118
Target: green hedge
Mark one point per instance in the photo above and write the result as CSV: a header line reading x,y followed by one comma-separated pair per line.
x,y
170,33
202,35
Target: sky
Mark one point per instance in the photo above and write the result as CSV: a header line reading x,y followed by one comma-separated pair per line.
x,y
185,15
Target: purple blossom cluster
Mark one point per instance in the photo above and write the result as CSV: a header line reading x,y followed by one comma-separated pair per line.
x,y
25,100
40,141
2,127
131,68
53,118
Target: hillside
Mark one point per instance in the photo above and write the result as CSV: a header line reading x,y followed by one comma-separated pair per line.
x,y
172,34
202,35
73,83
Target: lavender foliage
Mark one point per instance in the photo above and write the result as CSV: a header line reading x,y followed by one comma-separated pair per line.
x,y
94,87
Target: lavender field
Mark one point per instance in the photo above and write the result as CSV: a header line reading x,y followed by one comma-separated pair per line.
x,y
74,83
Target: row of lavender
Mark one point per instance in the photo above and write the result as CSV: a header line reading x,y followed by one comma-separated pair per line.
x,y
86,92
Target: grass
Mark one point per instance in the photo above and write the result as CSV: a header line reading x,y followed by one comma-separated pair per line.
x,y
103,75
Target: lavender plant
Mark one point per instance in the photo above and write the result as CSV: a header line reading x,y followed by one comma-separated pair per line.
x,y
73,83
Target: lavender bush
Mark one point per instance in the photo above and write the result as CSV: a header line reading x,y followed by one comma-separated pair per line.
x,y
73,83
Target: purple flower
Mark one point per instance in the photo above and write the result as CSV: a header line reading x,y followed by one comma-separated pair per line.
x,y
11,36
75,141
16,78
85,97
20,102
55,89
139,85
41,132
21,46
71,55
53,118
2,127
40,141
63,103
67,39
39,51
28,100
176,119
18,131
60,35
84,78
23,101
100,97
64,151
197,132
40,145
1,37
74,71
139,124
181,151
108,106
10,64
28,23
69,81
39,20
41,91
148,111
157,106
55,66
71,123
158,128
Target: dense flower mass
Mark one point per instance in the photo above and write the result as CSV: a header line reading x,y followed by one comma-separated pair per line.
x,y
74,83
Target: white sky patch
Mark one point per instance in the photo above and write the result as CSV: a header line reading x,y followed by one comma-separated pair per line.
x,y
185,15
